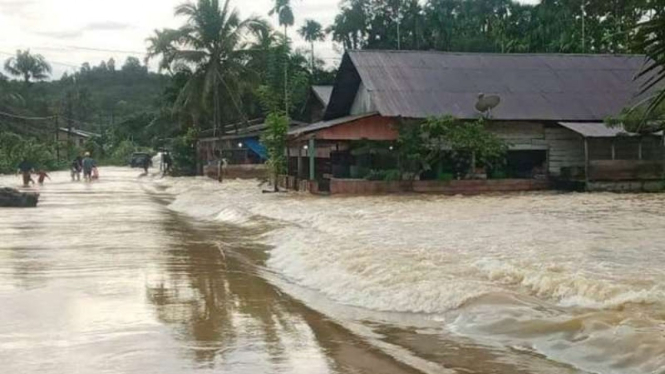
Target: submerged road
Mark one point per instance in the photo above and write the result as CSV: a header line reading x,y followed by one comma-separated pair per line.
x,y
104,278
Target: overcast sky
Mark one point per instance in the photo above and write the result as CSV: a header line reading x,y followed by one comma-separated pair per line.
x,y
67,31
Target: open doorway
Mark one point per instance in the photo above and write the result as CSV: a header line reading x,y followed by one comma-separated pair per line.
x,y
526,164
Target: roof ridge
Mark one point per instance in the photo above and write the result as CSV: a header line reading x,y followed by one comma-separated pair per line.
x,y
495,53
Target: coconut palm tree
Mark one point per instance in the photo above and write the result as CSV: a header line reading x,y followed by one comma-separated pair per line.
x,y
213,44
28,66
286,18
312,32
653,44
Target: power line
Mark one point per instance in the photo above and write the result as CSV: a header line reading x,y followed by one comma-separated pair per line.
x,y
26,118
70,47
50,61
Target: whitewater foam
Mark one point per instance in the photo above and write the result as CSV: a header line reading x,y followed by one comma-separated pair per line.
x,y
518,261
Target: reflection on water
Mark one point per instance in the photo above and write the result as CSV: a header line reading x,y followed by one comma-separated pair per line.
x,y
104,278
149,275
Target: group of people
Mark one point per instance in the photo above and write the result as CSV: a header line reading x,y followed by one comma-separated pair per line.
x,y
87,165
26,169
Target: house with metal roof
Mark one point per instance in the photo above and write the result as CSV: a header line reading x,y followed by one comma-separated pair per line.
x,y
551,112
76,137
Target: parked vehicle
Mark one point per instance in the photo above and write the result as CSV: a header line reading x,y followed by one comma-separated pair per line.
x,y
137,158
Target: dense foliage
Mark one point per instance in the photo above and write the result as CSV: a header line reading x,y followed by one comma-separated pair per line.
x,y
219,70
274,139
465,143
561,26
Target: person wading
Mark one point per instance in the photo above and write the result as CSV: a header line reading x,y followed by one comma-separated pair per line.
x,y
88,165
167,163
146,164
42,175
76,167
25,168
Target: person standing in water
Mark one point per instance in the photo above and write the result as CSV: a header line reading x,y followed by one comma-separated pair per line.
x,y
76,167
42,175
88,164
167,161
146,164
25,168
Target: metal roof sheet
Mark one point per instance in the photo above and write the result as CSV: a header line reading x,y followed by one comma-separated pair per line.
x,y
597,130
323,93
553,87
79,132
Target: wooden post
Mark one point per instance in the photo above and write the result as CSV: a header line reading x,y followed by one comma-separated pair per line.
x,y
614,151
662,156
288,162
312,159
299,172
639,150
57,138
586,162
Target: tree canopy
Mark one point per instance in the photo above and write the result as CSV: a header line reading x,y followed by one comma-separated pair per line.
x,y
28,66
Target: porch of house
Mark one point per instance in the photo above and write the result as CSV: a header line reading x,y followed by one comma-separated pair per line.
x,y
341,160
617,161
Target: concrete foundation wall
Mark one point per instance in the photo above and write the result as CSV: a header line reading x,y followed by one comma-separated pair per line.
x,y
464,187
237,171
627,186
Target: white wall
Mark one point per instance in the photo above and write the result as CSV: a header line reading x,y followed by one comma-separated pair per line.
x,y
363,102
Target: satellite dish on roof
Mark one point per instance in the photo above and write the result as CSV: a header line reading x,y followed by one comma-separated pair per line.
x,y
485,104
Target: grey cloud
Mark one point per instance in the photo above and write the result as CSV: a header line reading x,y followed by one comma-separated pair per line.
x,y
107,26
67,34
15,7
96,26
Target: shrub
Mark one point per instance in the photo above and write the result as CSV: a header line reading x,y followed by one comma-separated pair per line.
x,y
14,148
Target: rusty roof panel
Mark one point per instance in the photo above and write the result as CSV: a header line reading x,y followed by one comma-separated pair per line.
x,y
531,86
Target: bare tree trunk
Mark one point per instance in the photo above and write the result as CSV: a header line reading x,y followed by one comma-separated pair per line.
x,y
312,58
286,72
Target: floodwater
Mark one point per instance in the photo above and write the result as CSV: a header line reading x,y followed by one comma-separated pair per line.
x,y
150,275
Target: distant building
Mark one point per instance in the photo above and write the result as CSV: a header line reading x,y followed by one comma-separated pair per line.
x,y
240,143
551,114
78,137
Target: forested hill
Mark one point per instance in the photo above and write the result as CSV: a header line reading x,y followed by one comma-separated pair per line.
x,y
94,98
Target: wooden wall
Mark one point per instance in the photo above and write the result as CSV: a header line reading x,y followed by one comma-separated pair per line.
x,y
565,147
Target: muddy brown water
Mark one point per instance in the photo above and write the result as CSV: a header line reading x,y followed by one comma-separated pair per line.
x,y
103,278
142,275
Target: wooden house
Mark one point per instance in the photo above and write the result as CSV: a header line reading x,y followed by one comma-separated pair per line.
x,y
552,113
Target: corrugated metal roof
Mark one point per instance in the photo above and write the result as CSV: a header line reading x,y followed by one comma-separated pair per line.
x,y
79,132
327,124
253,131
554,87
323,93
598,130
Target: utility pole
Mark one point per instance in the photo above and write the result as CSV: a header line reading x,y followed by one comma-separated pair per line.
x,y
583,28
57,138
69,124
399,34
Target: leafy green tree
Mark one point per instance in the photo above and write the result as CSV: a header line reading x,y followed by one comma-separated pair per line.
x,y
212,41
274,139
312,31
468,141
653,43
28,66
